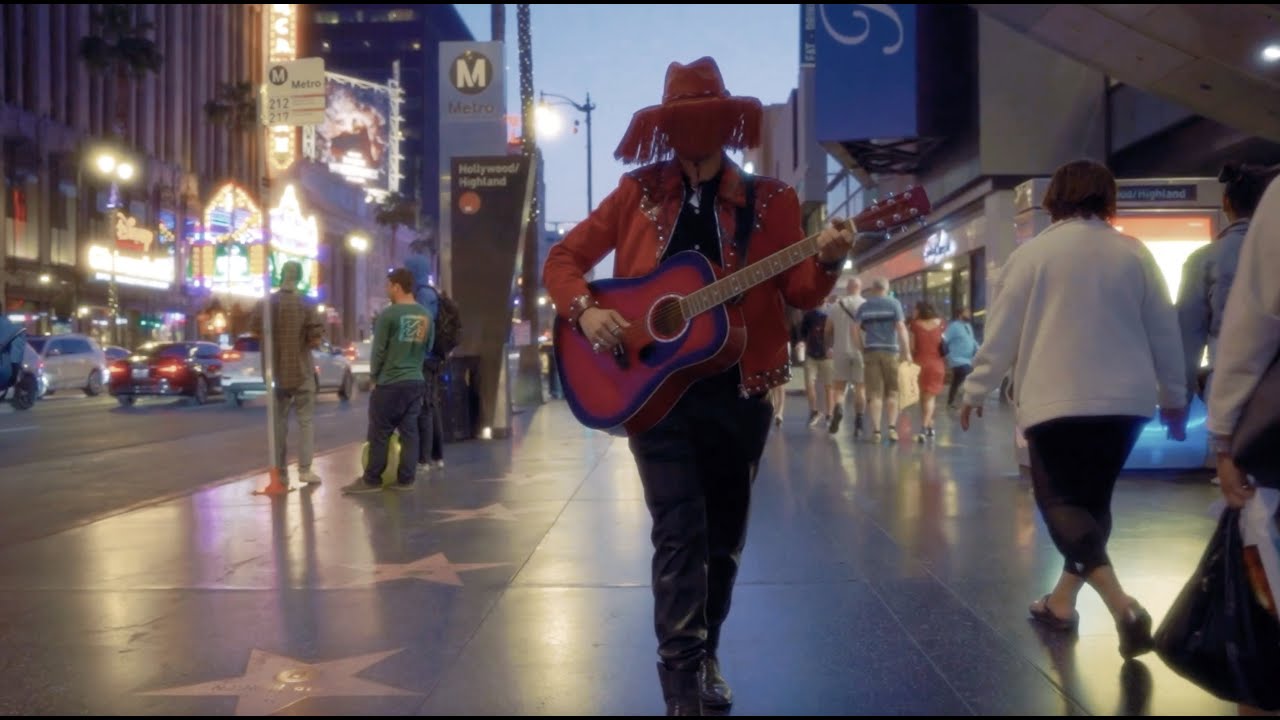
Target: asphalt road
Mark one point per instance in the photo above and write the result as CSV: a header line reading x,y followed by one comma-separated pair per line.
x,y
72,459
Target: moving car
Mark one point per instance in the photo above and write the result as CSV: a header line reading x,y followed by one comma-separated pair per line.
x,y
191,369
242,370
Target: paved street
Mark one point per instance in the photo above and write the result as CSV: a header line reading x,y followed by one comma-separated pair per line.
x,y
71,459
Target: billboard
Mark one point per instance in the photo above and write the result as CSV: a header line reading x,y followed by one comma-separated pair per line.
x,y
359,138
866,73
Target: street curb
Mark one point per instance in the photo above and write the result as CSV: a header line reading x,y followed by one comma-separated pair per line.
x,y
168,497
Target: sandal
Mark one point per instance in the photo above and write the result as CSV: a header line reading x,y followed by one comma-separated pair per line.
x,y
1048,618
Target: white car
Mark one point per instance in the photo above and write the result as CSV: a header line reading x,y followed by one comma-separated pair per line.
x,y
242,371
72,362
362,351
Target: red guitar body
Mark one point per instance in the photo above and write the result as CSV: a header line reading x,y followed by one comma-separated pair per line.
x,y
661,354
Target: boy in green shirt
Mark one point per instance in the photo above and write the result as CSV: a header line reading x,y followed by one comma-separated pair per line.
x,y
399,342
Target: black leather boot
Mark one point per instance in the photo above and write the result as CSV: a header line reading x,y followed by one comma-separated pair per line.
x,y
680,690
712,687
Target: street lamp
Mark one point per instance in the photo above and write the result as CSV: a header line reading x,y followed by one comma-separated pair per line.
x,y
117,167
358,242
544,111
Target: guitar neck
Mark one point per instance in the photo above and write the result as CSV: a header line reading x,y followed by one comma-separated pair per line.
x,y
731,286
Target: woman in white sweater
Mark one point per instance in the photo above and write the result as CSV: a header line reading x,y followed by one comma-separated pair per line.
x,y
1083,316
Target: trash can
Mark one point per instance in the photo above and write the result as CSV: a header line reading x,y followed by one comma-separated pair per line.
x,y
460,382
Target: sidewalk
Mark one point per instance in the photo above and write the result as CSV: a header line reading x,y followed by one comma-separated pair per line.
x,y
875,580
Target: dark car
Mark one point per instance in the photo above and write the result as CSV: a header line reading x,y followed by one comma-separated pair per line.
x,y
191,369
114,353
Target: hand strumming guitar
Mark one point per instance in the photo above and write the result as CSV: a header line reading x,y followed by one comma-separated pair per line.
x,y
602,327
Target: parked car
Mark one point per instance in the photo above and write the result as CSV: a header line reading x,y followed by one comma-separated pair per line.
x,y
242,370
72,362
191,369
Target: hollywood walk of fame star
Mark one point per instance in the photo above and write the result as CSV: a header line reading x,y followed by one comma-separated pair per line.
x,y
271,682
435,568
497,511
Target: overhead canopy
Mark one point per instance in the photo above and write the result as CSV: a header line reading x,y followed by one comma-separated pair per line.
x,y
1208,58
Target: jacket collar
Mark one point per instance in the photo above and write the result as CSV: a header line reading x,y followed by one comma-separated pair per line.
x,y
732,191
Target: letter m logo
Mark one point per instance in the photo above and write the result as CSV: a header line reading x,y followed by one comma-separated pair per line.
x,y
472,73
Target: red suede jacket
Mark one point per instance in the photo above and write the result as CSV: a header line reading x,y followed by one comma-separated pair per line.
x,y
637,221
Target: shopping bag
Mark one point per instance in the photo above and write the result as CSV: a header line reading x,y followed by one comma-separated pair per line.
x,y
1261,539
393,459
1216,634
908,384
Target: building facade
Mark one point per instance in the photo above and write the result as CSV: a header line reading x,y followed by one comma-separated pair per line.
x,y
68,227
365,41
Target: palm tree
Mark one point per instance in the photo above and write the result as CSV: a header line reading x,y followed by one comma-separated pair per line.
x,y
235,107
119,45
396,210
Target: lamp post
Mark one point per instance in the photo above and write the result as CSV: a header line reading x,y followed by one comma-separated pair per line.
x,y
111,164
584,108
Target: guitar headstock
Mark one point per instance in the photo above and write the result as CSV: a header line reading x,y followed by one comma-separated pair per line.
x,y
893,212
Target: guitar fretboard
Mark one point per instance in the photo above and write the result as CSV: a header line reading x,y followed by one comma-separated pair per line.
x,y
731,286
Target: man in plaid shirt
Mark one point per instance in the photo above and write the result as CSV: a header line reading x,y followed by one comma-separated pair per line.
x,y
296,331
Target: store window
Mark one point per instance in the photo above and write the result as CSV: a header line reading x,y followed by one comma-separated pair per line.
x,y
327,18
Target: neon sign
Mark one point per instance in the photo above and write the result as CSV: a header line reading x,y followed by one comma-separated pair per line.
x,y
282,45
295,237
229,255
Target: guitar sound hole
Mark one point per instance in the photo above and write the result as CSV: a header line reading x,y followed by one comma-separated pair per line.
x,y
666,319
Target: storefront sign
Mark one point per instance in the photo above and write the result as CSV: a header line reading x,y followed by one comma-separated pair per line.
x,y
938,247
128,269
1156,193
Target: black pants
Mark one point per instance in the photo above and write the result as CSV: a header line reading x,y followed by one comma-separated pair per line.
x,y
697,467
392,408
958,374
1074,465
430,422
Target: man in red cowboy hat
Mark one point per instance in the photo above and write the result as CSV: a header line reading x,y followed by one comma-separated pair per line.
x,y
697,465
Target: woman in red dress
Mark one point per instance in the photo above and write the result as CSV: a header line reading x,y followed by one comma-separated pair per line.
x,y
926,351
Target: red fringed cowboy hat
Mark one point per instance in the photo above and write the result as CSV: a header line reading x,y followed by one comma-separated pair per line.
x,y
697,118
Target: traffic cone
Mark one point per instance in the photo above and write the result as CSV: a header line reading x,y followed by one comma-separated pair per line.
x,y
275,486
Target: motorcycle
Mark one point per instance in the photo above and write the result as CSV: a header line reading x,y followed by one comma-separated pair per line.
x,y
19,371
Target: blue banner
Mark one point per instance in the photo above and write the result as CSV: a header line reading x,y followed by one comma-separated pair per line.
x,y
866,72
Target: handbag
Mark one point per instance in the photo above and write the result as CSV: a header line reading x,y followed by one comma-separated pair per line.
x,y
1254,445
1216,634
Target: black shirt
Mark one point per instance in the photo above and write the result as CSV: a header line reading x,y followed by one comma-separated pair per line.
x,y
697,228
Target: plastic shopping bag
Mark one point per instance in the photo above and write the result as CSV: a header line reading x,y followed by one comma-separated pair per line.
x,y
1261,537
908,385
1216,634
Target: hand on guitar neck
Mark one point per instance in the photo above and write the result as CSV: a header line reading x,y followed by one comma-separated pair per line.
x,y
834,242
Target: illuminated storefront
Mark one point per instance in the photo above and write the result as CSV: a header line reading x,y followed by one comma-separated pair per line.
x,y
295,237
228,255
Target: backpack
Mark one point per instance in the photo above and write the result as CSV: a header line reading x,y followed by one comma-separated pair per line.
x,y
448,326
815,340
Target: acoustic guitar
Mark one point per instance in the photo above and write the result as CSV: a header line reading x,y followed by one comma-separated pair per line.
x,y
682,327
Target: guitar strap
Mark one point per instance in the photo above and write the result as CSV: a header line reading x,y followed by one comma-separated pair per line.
x,y
744,224
746,219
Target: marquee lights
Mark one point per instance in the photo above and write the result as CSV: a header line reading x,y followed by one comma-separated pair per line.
x,y
282,46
